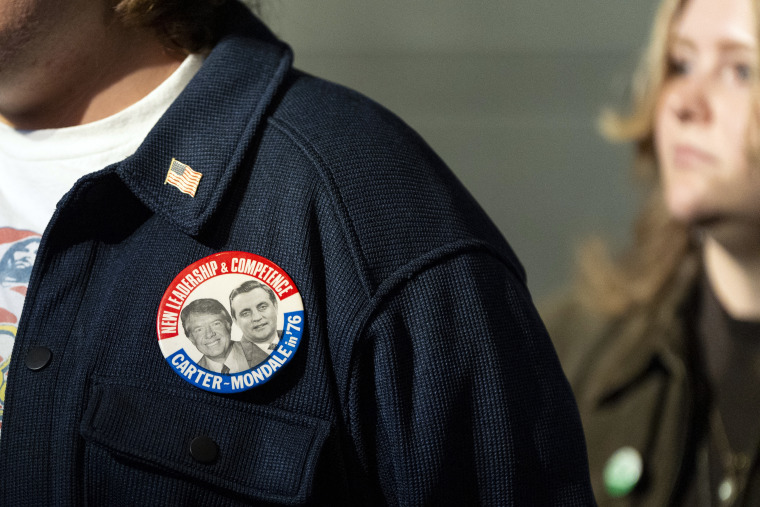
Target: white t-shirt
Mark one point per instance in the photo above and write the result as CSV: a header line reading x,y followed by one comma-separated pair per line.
x,y
38,167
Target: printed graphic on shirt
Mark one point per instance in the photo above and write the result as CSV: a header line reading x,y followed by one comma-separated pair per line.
x,y
18,251
230,322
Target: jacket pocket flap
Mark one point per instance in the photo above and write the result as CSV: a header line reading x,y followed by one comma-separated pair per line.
x,y
263,453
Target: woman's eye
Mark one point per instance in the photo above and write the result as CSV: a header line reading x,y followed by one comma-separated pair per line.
x,y
677,66
743,71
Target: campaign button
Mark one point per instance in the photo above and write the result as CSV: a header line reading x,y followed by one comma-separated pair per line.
x,y
230,322
623,471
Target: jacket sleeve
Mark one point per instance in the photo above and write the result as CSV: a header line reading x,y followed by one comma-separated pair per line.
x,y
457,396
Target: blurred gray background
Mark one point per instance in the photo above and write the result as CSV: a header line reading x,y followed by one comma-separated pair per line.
x,y
507,92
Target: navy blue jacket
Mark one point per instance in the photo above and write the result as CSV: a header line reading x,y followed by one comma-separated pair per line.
x,y
424,375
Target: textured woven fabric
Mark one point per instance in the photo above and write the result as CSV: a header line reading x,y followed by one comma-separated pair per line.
x,y
424,375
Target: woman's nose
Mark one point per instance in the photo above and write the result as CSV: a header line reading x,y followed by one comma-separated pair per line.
x,y
689,100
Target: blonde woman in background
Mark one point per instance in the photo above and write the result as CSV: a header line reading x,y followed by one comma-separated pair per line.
x,y
662,345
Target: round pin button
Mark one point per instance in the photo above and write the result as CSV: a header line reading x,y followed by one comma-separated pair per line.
x,y
623,471
726,490
204,450
230,322
37,358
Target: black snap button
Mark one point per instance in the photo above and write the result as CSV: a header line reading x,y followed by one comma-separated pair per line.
x,y
38,357
204,450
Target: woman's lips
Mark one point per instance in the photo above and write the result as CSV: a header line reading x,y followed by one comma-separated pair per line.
x,y
688,156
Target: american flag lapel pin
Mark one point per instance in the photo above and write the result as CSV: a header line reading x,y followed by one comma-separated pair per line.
x,y
183,177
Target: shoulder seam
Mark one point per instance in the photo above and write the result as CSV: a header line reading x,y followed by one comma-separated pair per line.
x,y
312,154
403,275
437,256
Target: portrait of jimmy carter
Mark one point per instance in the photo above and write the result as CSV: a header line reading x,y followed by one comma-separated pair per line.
x,y
208,326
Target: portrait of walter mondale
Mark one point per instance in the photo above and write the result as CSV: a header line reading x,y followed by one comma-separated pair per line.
x,y
254,309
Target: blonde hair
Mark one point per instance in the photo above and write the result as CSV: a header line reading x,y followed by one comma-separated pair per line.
x,y
663,259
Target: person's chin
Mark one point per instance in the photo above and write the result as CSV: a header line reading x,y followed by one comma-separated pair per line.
x,y
257,339
260,336
686,208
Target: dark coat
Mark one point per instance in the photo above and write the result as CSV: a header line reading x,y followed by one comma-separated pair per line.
x,y
632,386
639,384
424,374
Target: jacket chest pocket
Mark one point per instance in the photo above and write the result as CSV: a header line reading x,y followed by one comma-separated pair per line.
x,y
148,447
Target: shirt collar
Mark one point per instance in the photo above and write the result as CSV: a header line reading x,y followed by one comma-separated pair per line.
x,y
211,124
266,346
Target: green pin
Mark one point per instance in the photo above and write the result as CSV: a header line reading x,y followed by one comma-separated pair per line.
x,y
623,471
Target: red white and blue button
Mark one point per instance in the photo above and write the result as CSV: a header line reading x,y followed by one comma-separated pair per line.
x,y
230,322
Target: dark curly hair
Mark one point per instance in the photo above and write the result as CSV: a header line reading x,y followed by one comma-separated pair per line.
x,y
189,25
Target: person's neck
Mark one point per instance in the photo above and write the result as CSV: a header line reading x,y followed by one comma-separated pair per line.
x,y
90,86
733,271
222,358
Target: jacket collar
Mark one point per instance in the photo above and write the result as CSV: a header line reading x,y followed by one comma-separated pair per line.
x,y
649,345
650,339
212,123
